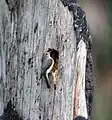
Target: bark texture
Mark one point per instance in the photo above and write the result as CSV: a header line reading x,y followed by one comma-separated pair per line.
x,y
82,32
28,28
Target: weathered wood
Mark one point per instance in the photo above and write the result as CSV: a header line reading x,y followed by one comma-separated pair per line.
x,y
82,32
80,100
29,27
1,97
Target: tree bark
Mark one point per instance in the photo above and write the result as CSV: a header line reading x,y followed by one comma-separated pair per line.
x,y
28,28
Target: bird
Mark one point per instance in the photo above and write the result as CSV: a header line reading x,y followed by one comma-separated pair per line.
x,y
46,67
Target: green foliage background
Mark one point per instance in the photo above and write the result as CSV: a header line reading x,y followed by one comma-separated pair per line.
x,y
102,97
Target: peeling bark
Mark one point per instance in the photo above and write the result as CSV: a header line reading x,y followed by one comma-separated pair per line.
x,y
80,100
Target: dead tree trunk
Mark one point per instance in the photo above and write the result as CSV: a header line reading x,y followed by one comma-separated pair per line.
x,y
28,28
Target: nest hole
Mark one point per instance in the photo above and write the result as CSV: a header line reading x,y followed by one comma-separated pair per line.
x,y
55,55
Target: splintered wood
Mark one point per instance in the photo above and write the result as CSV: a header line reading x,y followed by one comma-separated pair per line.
x,y
80,100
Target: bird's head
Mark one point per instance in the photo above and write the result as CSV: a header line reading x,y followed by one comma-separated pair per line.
x,y
47,54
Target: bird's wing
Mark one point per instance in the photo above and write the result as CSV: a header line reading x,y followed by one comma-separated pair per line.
x,y
46,65
43,57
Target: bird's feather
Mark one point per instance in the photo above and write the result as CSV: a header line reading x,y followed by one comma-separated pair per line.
x,y
46,65
47,82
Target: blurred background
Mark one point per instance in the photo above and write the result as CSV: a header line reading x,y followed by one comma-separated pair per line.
x,y
99,16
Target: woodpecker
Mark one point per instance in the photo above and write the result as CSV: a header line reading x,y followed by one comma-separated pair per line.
x,y
46,67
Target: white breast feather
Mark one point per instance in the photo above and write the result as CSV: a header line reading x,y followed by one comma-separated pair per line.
x,y
49,70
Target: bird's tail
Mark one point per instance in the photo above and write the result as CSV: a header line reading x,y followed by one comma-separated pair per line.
x,y
47,82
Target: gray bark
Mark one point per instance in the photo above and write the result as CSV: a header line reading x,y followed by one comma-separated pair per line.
x,y
28,28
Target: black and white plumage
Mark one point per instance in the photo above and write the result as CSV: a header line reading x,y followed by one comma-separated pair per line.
x,y
46,67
